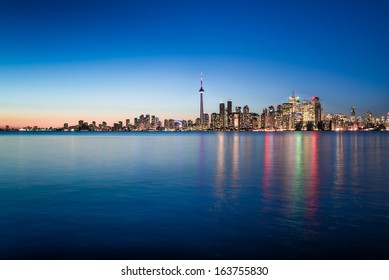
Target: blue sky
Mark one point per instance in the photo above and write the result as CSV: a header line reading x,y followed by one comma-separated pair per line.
x,y
61,61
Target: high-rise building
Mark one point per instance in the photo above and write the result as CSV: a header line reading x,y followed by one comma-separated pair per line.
x,y
287,116
229,106
308,111
230,122
206,119
222,113
352,115
201,91
319,115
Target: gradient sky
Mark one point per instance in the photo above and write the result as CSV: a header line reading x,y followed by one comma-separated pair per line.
x,y
61,61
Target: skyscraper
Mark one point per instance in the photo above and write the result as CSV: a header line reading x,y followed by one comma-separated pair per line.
x,y
222,112
352,114
229,106
201,91
318,110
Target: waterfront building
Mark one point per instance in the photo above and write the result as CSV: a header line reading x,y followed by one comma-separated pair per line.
x,y
318,111
308,112
230,117
264,118
246,119
206,120
229,106
287,113
222,113
270,118
352,115
369,120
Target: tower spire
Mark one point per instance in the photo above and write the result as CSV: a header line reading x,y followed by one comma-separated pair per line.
x,y
201,77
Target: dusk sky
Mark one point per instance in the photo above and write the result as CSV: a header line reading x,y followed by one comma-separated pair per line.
x,y
63,61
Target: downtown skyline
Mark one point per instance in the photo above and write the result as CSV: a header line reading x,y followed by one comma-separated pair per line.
x,y
65,61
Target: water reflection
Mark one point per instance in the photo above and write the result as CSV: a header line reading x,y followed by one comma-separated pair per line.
x,y
355,177
339,160
220,173
267,164
313,178
235,162
196,196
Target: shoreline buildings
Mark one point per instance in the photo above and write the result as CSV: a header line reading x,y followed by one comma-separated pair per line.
x,y
294,115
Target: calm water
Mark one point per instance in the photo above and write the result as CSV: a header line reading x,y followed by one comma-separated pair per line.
x,y
290,195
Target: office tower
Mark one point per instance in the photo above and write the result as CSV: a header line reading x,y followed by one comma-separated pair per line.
x,y
206,119
287,116
270,118
352,114
246,119
230,122
229,106
369,120
318,110
308,115
222,112
295,101
201,91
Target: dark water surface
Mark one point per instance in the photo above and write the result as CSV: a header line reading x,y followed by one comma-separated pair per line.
x,y
289,195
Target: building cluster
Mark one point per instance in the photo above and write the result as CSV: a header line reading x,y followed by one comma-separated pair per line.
x,y
142,123
341,122
293,115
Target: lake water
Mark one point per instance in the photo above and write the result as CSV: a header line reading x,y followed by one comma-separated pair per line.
x,y
288,195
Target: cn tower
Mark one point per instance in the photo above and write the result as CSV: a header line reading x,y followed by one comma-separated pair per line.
x,y
201,91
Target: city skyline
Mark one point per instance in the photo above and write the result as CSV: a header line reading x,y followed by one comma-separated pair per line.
x,y
293,114
65,61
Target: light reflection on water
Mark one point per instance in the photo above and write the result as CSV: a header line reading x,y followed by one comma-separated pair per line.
x,y
194,195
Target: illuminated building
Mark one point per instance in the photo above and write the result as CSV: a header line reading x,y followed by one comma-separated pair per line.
x,y
287,114
352,115
308,115
206,120
264,118
270,118
278,118
319,112
213,120
222,113
230,117
369,120
246,119
340,122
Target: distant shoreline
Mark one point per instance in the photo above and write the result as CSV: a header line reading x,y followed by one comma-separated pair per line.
x,y
184,131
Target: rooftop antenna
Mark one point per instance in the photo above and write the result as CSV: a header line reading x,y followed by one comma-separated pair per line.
x,y
201,77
